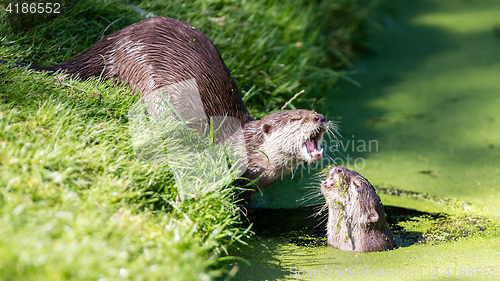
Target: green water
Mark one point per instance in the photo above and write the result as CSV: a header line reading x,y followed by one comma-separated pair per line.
x,y
430,98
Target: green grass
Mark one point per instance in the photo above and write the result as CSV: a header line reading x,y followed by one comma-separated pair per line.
x,y
75,202
273,49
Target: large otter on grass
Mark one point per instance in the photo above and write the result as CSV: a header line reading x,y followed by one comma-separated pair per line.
x,y
356,217
156,53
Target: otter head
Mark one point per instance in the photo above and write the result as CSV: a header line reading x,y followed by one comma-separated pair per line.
x,y
281,141
295,134
356,217
348,190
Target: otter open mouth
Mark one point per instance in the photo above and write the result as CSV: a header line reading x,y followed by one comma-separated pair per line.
x,y
312,146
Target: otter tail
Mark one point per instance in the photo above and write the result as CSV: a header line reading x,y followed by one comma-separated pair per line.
x,y
51,69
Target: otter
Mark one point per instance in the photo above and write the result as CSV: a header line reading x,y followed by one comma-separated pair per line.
x,y
159,52
356,217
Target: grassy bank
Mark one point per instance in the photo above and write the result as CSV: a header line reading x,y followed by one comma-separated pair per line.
x,y
75,203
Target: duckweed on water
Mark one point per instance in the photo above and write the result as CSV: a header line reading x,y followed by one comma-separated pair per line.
x,y
434,63
409,226
441,230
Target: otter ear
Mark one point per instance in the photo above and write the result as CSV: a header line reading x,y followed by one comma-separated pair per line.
x,y
373,217
266,128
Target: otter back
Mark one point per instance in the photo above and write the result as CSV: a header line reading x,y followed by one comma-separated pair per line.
x,y
155,53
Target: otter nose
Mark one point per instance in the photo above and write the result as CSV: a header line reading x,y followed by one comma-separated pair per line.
x,y
319,118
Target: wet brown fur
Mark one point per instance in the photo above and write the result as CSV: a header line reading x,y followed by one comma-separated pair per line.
x,y
152,54
158,52
356,219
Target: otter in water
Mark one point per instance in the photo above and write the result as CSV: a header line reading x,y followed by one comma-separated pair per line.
x,y
356,217
156,53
